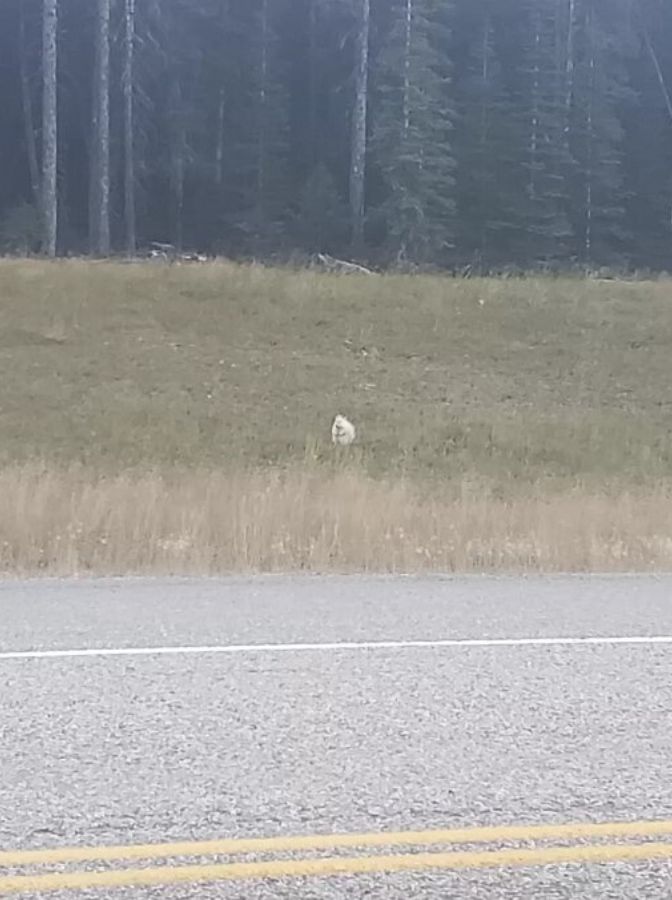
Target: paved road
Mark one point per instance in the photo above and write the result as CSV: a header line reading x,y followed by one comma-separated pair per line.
x,y
119,749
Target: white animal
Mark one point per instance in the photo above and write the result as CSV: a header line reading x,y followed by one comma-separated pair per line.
x,y
342,431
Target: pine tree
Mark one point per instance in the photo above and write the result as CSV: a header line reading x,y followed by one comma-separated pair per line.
x,y
487,138
413,131
254,164
321,217
548,163
648,127
596,131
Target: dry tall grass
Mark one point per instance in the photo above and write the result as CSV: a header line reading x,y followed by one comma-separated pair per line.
x,y
67,522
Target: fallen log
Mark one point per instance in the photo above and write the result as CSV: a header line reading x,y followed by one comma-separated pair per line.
x,y
331,264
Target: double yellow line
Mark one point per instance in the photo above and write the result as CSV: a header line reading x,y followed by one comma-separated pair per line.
x,y
640,836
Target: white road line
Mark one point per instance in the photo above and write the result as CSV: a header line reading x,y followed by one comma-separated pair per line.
x,y
239,649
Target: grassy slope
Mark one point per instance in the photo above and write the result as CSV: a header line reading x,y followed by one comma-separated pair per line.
x,y
507,382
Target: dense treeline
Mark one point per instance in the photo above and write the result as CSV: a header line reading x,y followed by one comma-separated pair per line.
x,y
476,133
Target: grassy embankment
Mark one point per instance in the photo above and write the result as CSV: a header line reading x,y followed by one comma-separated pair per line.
x,y
176,419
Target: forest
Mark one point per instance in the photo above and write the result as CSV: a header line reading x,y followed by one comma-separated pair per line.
x,y
469,135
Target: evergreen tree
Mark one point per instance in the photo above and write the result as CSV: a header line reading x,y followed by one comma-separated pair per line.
x,y
648,173
489,181
321,219
596,131
412,137
547,158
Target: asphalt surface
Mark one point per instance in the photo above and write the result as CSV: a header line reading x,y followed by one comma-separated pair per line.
x,y
110,750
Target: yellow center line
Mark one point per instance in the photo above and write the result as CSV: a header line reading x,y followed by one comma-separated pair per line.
x,y
167,875
487,834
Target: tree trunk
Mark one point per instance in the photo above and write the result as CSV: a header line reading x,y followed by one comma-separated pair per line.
x,y
590,140
263,110
49,127
99,175
534,122
408,36
129,127
219,149
177,150
313,154
484,123
358,140
659,72
569,61
225,25
28,119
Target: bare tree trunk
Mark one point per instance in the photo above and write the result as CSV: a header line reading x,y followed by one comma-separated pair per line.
x,y
219,149
534,123
129,126
569,62
263,110
590,137
28,119
225,13
408,35
659,72
177,151
49,203
313,154
99,175
358,140
485,121
485,77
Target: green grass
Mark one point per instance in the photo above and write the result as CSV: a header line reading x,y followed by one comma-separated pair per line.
x,y
502,382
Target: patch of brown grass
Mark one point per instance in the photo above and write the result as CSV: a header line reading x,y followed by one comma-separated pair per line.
x,y
72,521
